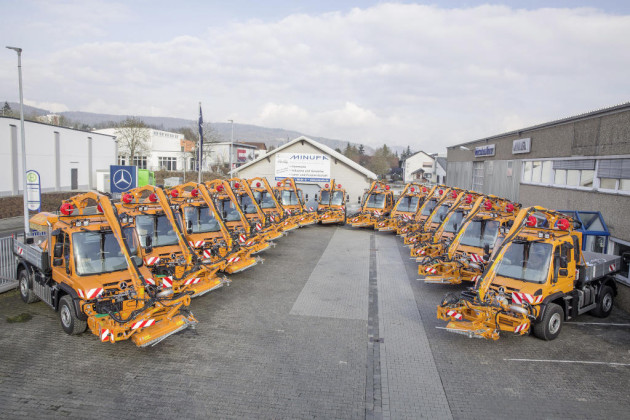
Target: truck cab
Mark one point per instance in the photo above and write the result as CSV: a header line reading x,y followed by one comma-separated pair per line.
x,y
378,203
264,195
331,204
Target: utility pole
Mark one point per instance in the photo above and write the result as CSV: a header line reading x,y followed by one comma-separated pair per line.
x,y
19,53
231,143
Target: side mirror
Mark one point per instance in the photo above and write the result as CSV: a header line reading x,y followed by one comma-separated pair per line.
x,y
486,249
563,262
359,200
189,229
316,197
455,229
225,214
57,262
306,197
58,251
347,197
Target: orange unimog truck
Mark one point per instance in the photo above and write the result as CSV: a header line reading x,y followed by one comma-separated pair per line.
x,y
88,267
291,199
407,223
270,205
538,278
435,243
260,222
378,203
235,220
468,254
423,224
405,208
205,229
331,204
429,203
165,249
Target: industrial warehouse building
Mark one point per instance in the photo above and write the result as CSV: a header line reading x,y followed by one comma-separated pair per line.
x,y
313,165
66,159
578,163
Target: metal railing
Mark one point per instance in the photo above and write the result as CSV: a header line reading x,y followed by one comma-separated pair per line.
x,y
7,265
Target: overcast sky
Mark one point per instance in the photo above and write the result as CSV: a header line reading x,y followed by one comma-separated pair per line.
x,y
428,75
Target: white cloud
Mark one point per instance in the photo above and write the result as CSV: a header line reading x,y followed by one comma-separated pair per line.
x,y
396,73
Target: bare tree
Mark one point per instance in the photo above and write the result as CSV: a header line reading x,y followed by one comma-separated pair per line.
x,y
133,138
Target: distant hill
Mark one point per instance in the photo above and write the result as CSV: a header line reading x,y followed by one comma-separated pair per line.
x,y
242,132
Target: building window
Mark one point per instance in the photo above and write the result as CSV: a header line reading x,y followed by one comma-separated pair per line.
x,y
477,181
547,172
140,162
527,172
537,171
167,163
608,175
122,160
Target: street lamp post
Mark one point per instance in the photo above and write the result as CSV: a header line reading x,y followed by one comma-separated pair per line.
x,y
19,53
231,143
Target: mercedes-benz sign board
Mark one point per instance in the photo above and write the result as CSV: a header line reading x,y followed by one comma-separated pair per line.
x,y
122,178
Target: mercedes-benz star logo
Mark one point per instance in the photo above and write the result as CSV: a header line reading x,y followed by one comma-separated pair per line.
x,y
122,179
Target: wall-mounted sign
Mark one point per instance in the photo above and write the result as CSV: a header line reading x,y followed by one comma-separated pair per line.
x,y
304,167
521,146
482,151
33,191
241,155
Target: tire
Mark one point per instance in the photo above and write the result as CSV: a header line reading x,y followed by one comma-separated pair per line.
x,y
70,323
548,328
26,292
605,302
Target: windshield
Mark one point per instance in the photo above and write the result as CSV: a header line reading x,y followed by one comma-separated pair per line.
x,y
337,198
480,233
440,213
288,198
228,210
247,204
376,201
264,199
99,252
454,221
408,203
201,219
158,227
324,198
527,261
429,206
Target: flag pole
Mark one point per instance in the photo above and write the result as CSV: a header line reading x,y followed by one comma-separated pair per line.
x,y
200,148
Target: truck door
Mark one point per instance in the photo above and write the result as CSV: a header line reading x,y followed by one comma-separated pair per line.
x,y
564,266
63,272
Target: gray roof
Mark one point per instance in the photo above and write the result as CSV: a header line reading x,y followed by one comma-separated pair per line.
x,y
441,161
591,114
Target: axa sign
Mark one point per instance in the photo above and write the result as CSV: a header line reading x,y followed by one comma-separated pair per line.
x,y
311,157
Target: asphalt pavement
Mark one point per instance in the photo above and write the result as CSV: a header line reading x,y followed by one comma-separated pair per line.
x,y
334,324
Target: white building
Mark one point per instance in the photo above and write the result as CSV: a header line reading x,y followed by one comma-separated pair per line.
x,y
168,151
172,152
313,165
417,166
65,158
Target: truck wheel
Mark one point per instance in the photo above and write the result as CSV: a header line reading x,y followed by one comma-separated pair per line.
x,y
550,325
604,303
26,293
70,323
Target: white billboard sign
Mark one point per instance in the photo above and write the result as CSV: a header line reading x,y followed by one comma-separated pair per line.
x,y
303,167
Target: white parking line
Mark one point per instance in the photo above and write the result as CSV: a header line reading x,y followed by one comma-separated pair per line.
x,y
585,362
607,324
